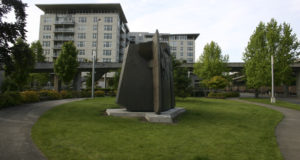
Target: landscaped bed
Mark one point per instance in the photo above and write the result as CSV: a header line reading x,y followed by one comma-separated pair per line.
x,y
211,129
278,102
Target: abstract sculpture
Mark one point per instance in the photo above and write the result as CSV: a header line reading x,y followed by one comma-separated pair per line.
x,y
146,80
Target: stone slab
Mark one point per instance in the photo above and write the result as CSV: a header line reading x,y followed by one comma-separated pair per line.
x,y
163,117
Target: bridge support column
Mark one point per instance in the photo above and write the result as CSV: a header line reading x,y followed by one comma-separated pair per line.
x,y
77,82
298,84
57,83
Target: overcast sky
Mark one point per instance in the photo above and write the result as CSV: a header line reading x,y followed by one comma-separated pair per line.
x,y
230,23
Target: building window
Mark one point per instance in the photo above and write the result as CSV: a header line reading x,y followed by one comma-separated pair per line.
x,y
47,19
173,48
107,44
190,54
46,36
46,43
81,28
181,43
106,52
94,44
95,19
95,27
173,43
181,54
190,43
108,19
181,48
81,35
46,51
190,48
108,27
94,35
81,52
81,59
80,44
190,60
47,27
106,59
107,36
82,19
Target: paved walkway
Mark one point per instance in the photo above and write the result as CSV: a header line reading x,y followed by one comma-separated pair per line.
x,y
15,130
287,131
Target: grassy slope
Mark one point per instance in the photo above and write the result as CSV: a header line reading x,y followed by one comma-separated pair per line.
x,y
209,130
278,102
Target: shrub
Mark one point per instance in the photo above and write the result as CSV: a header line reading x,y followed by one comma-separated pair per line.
x,y
223,95
99,93
30,96
85,94
49,95
10,99
113,93
66,94
75,94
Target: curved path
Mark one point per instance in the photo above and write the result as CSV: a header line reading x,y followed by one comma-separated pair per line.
x,y
287,131
15,130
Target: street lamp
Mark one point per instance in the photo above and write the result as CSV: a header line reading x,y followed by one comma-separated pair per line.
x,y
94,58
273,100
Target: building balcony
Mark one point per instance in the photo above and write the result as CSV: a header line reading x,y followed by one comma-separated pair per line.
x,y
64,38
62,30
57,46
68,21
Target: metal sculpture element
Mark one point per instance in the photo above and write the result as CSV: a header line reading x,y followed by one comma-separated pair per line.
x,y
146,80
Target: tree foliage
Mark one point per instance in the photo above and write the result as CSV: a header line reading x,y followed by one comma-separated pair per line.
x,y
182,83
211,63
66,64
271,39
217,82
23,61
37,49
11,31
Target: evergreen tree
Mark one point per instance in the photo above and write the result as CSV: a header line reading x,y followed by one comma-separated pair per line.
x,y
182,83
38,51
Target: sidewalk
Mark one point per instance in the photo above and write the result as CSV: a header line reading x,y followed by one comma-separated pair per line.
x,y
287,131
15,130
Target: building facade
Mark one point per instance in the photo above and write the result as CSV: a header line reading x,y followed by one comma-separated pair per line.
x,y
99,29
182,46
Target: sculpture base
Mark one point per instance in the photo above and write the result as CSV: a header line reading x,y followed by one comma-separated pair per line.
x,y
163,117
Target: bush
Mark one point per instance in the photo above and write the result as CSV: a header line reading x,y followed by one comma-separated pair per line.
x,y
10,99
84,94
99,93
30,96
75,94
66,94
112,93
223,95
49,95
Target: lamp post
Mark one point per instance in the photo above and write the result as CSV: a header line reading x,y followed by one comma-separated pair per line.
x,y
273,100
94,58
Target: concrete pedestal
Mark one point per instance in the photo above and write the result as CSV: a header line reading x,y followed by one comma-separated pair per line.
x,y
163,117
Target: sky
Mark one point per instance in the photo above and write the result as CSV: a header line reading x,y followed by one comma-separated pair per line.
x,y
230,23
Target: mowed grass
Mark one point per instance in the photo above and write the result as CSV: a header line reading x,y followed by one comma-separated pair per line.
x,y
278,102
210,130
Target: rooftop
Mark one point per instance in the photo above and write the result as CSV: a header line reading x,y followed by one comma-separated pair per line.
x,y
92,6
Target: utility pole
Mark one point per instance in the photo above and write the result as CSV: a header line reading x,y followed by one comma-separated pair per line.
x,y
273,100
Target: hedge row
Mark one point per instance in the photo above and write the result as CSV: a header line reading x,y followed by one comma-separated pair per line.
x,y
16,98
223,95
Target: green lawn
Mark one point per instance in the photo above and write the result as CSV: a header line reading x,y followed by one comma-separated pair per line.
x,y
210,130
278,102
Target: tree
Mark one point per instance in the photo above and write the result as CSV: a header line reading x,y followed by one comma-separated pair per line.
x,y
11,31
23,61
211,63
66,64
267,40
182,83
38,51
217,82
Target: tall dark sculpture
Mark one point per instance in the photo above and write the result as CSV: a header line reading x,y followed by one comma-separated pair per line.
x,y
146,80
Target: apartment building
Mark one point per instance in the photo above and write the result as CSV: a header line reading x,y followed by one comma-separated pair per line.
x,y
94,28
182,46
